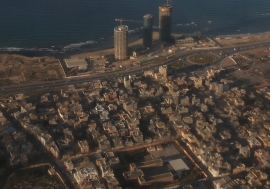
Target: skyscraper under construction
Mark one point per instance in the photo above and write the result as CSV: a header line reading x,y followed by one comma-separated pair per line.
x,y
147,30
165,22
121,42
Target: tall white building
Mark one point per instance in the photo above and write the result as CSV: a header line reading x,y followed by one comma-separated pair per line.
x,y
121,42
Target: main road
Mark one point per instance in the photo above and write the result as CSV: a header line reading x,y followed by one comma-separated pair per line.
x,y
224,51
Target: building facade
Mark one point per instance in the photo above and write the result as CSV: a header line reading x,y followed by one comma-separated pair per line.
x,y
121,42
165,22
147,30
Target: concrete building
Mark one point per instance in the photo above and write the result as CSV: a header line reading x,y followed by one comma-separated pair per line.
x,y
68,164
137,136
127,82
85,173
130,105
198,82
185,41
147,30
224,183
195,100
245,151
163,70
76,62
165,22
220,88
83,145
184,100
121,42
178,166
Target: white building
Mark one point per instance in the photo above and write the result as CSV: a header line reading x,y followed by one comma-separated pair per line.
x,y
85,173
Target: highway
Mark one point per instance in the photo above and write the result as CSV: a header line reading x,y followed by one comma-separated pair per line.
x,y
225,51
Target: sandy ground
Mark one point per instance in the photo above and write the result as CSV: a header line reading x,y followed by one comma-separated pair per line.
x,y
257,61
16,69
133,41
226,62
253,67
243,39
20,72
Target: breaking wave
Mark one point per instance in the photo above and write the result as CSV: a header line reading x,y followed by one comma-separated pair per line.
x,y
51,49
78,45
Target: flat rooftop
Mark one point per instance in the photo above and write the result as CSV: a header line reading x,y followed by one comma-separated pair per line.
x,y
157,177
168,153
179,165
121,28
148,16
161,176
167,6
133,174
146,163
154,161
75,62
152,171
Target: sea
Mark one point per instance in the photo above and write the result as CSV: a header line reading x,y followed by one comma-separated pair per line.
x,y
68,25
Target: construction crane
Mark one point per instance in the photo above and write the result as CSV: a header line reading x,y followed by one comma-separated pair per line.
x,y
121,20
169,1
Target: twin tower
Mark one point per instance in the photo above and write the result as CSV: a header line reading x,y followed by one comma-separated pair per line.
x,y
165,31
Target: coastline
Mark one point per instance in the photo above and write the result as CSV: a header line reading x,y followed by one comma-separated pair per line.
x,y
244,34
60,54
103,45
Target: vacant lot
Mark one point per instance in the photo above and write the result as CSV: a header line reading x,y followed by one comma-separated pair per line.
x,y
32,178
243,39
16,69
255,62
201,59
177,64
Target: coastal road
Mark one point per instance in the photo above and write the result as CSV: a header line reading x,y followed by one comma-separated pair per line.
x,y
224,51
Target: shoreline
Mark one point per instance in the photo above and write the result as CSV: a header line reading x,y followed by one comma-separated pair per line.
x,y
244,34
105,44
102,45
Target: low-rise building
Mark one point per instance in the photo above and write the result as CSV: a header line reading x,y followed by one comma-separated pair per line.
x,y
85,173
83,145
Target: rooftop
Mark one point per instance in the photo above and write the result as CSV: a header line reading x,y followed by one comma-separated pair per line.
x,y
165,6
168,153
145,163
178,165
148,16
121,28
158,177
75,62
133,174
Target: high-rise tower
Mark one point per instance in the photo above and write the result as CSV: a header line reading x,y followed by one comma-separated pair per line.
x,y
121,42
165,22
147,30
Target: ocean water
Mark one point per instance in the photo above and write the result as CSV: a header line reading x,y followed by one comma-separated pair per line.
x,y
72,24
